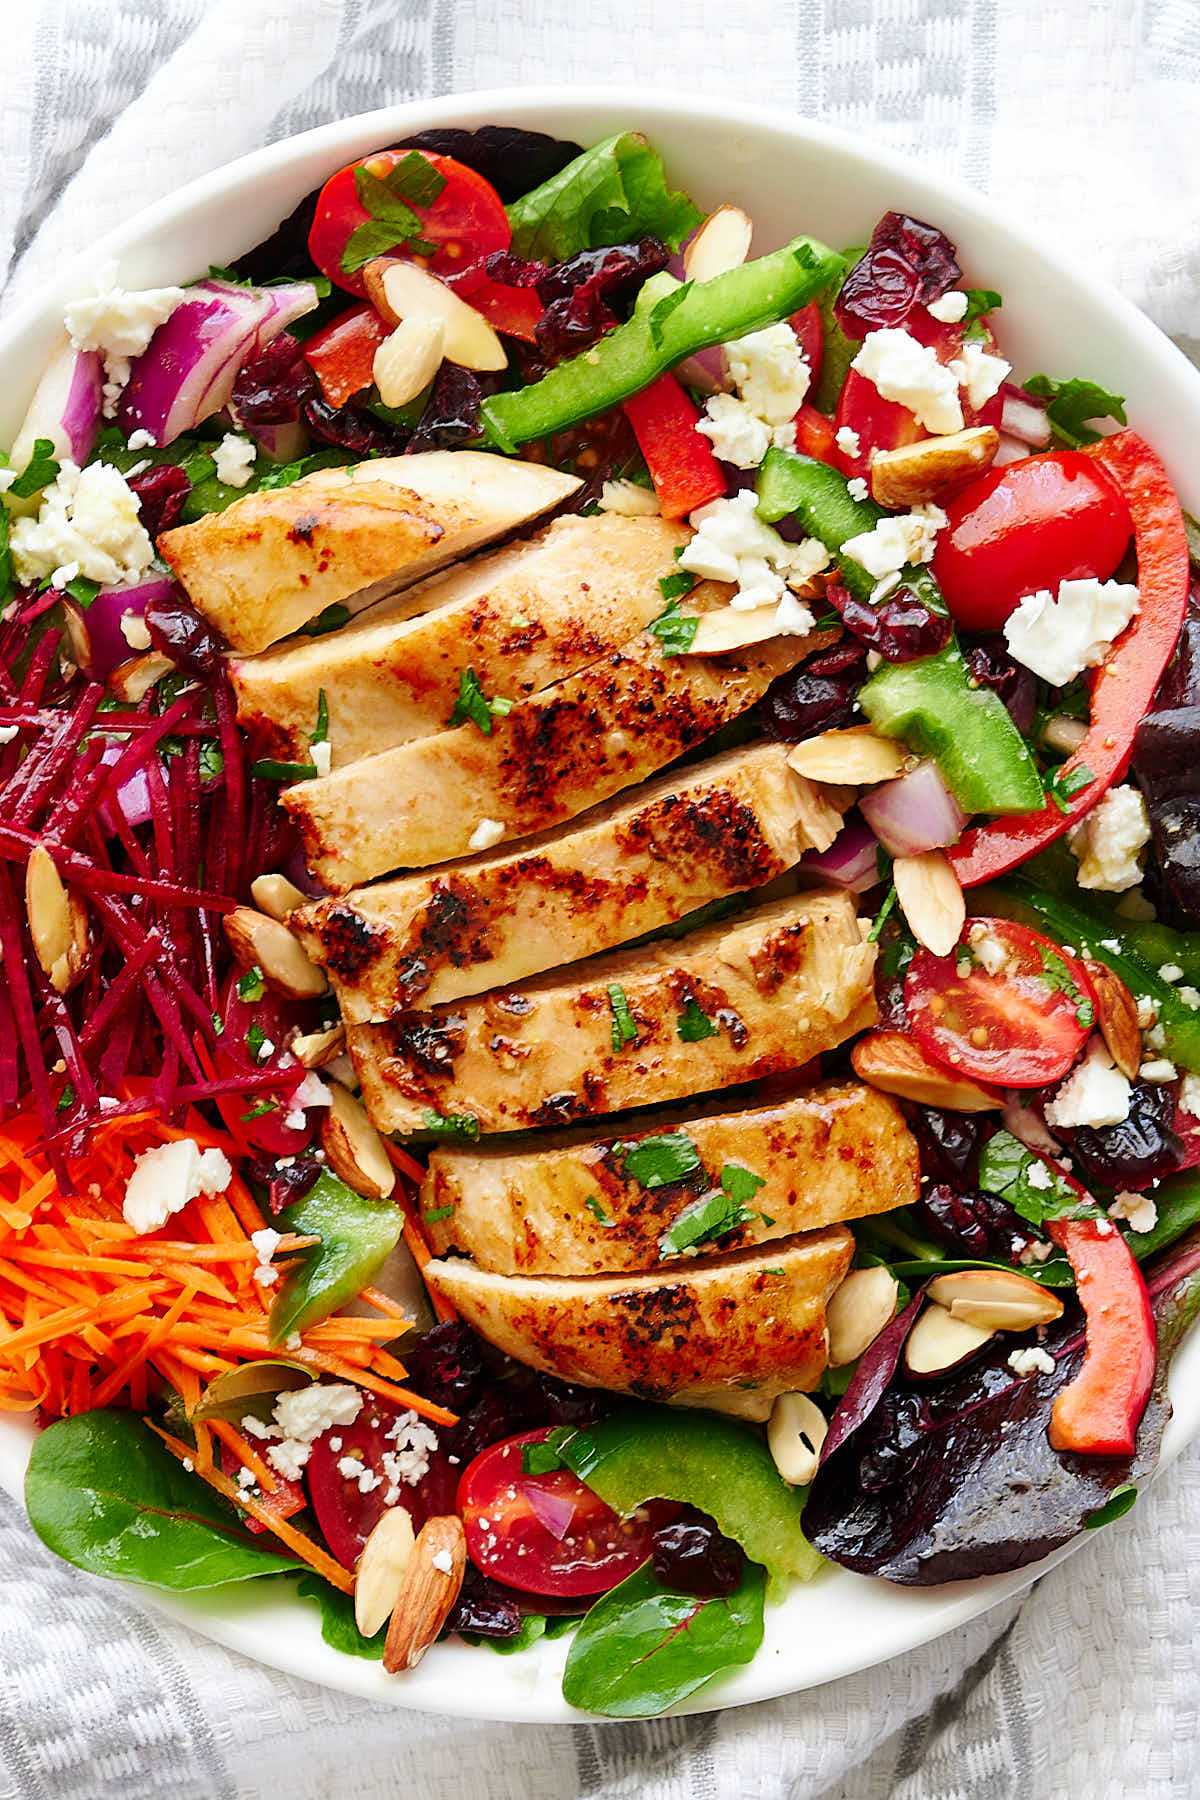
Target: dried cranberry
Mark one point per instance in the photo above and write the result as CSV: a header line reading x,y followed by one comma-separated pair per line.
x,y
284,1182
973,1224
949,1143
446,1366
511,270
451,414
556,1402
802,702
484,1607
690,1554
900,630
585,295
272,387
907,264
161,493
178,630
993,667
349,428
1142,1148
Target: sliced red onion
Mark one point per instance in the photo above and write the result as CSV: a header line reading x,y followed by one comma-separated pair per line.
x,y
706,371
281,443
1028,1126
851,861
914,813
65,408
555,1511
1009,450
187,372
1023,418
96,633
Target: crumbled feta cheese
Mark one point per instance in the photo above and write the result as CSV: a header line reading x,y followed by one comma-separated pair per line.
x,y
64,575
312,1092
134,630
857,488
1170,972
898,539
1138,1210
140,439
441,1560
235,458
1147,1012
847,440
7,477
1059,638
119,322
770,373
353,1468
735,431
89,517
1189,995
166,1178
904,370
980,373
989,951
1189,1094
949,307
628,499
413,1443
485,834
8,733
321,756
1031,1361
732,544
1095,1093
1156,1038
792,617
265,1242
265,1050
1039,1251
1038,1175
1109,840
189,1465
1158,1070
301,1415
245,1478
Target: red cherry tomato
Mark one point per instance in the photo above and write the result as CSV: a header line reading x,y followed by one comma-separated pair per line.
x,y
287,1499
886,425
348,1512
1026,526
548,1534
814,434
342,354
467,221
811,336
1021,1026
276,1018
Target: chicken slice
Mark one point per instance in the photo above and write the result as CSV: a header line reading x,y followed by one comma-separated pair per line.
x,y
547,760
346,536
563,1203
735,1002
631,866
725,1332
522,617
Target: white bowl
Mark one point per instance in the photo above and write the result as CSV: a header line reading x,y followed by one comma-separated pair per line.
x,y
791,176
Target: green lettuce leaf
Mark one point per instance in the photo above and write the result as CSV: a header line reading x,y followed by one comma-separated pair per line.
x,y
613,193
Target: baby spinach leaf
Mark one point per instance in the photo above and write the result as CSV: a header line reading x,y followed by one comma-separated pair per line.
x,y
1032,1188
642,1647
613,193
105,1494
337,1620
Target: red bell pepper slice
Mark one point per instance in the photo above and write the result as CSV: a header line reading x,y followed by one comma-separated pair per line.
x,y
1099,1412
682,466
342,354
814,434
1125,683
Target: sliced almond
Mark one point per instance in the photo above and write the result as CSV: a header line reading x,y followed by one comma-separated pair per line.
x,y
431,1585
407,361
857,1312
996,1299
317,1048
276,896
403,290
57,921
939,1342
932,469
260,942
131,681
729,629
895,1063
931,900
382,1568
1117,1017
795,1433
353,1147
721,243
856,755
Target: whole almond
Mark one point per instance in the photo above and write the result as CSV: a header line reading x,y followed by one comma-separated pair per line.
x,y
932,469
931,899
432,1582
267,944
1117,1017
353,1146
895,1063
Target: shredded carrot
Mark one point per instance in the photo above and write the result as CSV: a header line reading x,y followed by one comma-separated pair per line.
x,y
406,1164
246,1455
391,1309
419,1249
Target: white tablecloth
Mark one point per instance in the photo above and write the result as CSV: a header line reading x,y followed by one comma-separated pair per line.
x,y
1084,115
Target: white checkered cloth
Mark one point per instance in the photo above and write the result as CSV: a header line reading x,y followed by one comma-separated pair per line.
x,y
1084,116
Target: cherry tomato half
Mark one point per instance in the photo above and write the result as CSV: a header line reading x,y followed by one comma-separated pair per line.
x,y
467,221
348,1507
1026,526
276,1018
1022,1025
548,1534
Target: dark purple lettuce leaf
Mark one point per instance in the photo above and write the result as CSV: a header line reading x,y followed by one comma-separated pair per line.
x,y
992,666
514,161
948,1480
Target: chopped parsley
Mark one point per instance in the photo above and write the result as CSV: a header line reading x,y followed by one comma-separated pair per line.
x,y
1073,404
39,471
268,769
251,986
1065,783
82,591
473,707
979,302
437,1214
1115,1507
330,620
714,1214
674,587
881,917
740,1183
1006,1168
451,1125
320,731
212,761
544,1458
390,200
693,1024
1059,980
674,631
256,1037
66,1099
624,1030
260,1109
593,1205
657,1161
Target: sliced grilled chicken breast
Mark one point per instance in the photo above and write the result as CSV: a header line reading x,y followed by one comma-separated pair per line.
x,y
564,1204
726,1332
629,867
738,1001
551,757
276,558
522,617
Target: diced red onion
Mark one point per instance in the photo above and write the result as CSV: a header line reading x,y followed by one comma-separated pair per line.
x,y
1023,418
1028,1126
96,633
65,408
851,861
914,813
1009,450
187,372
281,443
706,371
133,796
555,1511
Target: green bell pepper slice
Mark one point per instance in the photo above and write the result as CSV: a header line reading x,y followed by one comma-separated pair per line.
x,y
641,1453
357,1236
680,321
